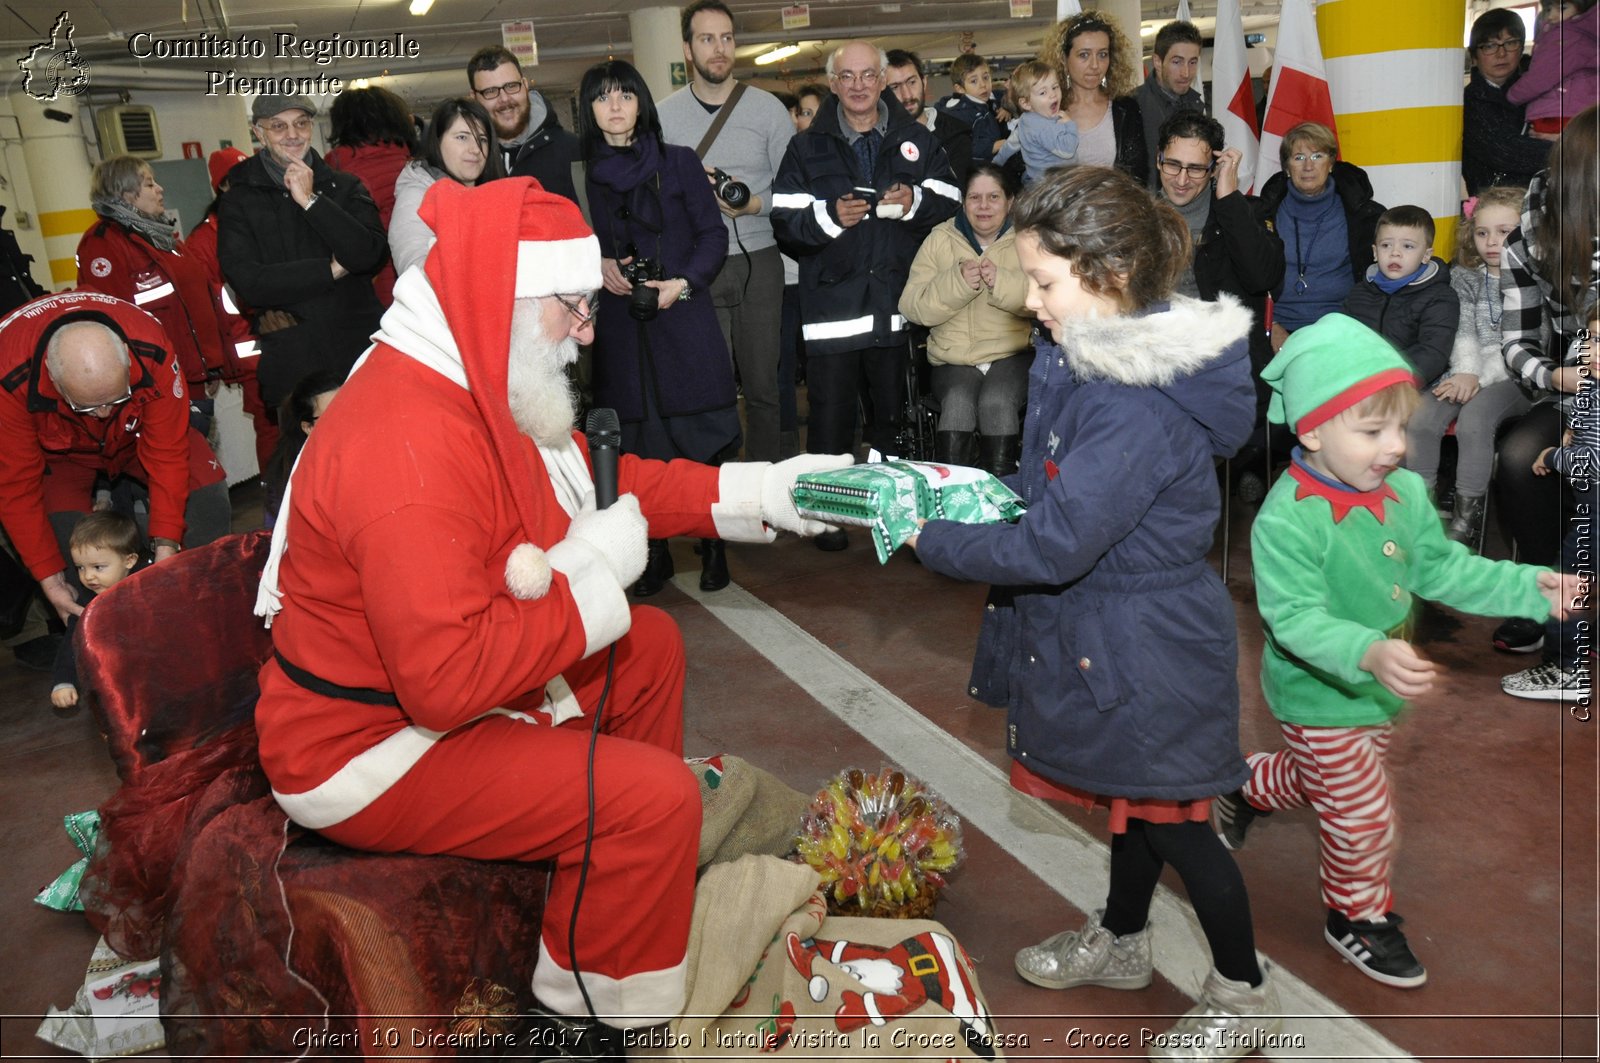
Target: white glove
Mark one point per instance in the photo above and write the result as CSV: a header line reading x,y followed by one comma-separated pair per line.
x,y
620,534
777,506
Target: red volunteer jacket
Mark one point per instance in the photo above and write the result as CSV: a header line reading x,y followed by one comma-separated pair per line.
x,y
37,427
172,285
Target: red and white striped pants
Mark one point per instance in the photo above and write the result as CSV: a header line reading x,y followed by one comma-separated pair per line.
x,y
1339,772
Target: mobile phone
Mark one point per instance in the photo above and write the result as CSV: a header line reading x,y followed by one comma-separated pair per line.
x,y
865,192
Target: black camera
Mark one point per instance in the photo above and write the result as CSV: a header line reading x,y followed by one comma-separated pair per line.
x,y
643,301
734,193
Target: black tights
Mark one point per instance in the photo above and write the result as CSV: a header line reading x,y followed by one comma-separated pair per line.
x,y
1531,504
1210,877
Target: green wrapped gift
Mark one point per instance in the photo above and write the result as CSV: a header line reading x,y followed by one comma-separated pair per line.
x,y
889,497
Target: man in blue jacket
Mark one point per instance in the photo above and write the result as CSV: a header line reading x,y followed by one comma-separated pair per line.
x,y
854,197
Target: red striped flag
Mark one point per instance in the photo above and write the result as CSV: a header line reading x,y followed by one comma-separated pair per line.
x,y
1299,90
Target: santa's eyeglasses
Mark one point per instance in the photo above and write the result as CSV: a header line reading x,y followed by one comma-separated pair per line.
x,y
575,304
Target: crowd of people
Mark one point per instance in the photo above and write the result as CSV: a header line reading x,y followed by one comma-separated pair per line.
x,y
1108,317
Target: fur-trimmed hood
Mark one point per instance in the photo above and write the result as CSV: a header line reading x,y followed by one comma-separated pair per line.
x,y
1187,349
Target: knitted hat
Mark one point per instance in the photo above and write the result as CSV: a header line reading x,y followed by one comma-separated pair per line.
x,y
478,266
221,161
1327,368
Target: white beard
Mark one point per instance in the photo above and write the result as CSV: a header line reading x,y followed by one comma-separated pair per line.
x,y
542,400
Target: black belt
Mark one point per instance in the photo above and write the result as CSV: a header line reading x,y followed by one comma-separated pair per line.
x,y
318,685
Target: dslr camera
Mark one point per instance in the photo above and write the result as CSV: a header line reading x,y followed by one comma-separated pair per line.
x,y
734,193
643,300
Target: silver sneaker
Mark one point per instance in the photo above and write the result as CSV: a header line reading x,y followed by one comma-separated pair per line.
x,y
1230,1021
1091,956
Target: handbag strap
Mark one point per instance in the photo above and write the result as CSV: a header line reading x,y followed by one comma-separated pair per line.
x,y
719,121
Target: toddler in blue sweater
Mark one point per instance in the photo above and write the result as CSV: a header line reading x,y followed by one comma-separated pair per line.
x,y
1044,135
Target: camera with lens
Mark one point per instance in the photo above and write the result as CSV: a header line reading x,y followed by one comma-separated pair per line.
x,y
643,300
734,193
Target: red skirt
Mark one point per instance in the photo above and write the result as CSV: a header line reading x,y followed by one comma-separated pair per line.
x,y
1122,809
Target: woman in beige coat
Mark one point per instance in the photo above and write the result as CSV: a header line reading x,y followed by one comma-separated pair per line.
x,y
967,286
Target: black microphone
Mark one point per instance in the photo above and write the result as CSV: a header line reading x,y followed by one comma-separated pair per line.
x,y
605,440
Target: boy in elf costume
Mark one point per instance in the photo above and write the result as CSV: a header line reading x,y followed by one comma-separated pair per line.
x,y
1341,544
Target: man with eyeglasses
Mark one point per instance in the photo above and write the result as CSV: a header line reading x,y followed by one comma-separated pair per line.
x,y
1171,86
444,563
531,138
89,389
1235,253
853,200
299,243
1496,146
749,144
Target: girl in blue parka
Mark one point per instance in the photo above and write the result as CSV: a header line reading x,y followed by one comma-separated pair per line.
x,y
1108,637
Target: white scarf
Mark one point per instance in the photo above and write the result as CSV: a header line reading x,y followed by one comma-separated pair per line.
x,y
415,326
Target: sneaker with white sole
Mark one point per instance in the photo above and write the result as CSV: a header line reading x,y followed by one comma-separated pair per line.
x,y
1231,816
1377,948
1231,1020
1519,635
1548,682
1091,956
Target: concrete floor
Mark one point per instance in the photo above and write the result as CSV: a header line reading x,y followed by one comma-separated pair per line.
x,y
813,662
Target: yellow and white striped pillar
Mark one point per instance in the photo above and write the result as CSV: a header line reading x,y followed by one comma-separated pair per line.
x,y
1395,75
58,169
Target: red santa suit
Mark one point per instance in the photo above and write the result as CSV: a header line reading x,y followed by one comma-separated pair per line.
x,y
147,437
440,649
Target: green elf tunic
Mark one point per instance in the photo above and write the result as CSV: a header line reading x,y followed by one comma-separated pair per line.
x,y
1335,572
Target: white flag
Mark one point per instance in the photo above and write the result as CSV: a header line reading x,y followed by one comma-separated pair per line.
x,y
1299,90
1232,91
1067,8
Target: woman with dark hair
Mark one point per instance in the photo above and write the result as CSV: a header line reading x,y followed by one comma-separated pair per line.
x,y
968,288
133,251
1322,209
1549,274
1097,61
460,144
659,357
1495,147
373,138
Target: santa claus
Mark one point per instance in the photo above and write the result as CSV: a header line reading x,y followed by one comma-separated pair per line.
x,y
446,591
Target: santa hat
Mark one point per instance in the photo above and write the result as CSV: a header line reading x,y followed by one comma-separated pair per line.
x,y
1326,368
478,266
221,161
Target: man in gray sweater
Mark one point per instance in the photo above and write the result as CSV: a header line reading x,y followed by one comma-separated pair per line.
x,y
748,293
1171,86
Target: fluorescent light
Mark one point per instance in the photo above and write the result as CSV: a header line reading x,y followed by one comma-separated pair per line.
x,y
420,7
782,51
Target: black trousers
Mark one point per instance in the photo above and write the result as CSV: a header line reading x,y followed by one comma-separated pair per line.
x,y
835,386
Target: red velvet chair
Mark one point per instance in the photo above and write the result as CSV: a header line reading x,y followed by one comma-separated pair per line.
x,y
272,939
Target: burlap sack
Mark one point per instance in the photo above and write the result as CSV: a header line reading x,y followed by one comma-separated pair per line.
x,y
807,986
745,810
726,790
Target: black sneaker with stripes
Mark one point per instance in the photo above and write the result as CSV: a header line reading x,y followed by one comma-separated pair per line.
x,y
1377,947
1231,816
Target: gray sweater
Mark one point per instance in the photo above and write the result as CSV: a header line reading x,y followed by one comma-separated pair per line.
x,y
750,147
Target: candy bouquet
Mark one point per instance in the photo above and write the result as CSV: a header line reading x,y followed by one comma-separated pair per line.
x,y
883,844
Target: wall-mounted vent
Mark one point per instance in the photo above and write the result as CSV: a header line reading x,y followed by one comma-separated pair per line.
x,y
128,129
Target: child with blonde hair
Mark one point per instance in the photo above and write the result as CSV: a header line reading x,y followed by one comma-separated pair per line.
x,y
1343,541
1044,135
1477,393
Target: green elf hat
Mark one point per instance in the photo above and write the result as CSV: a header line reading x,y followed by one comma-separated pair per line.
x,y
1327,368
